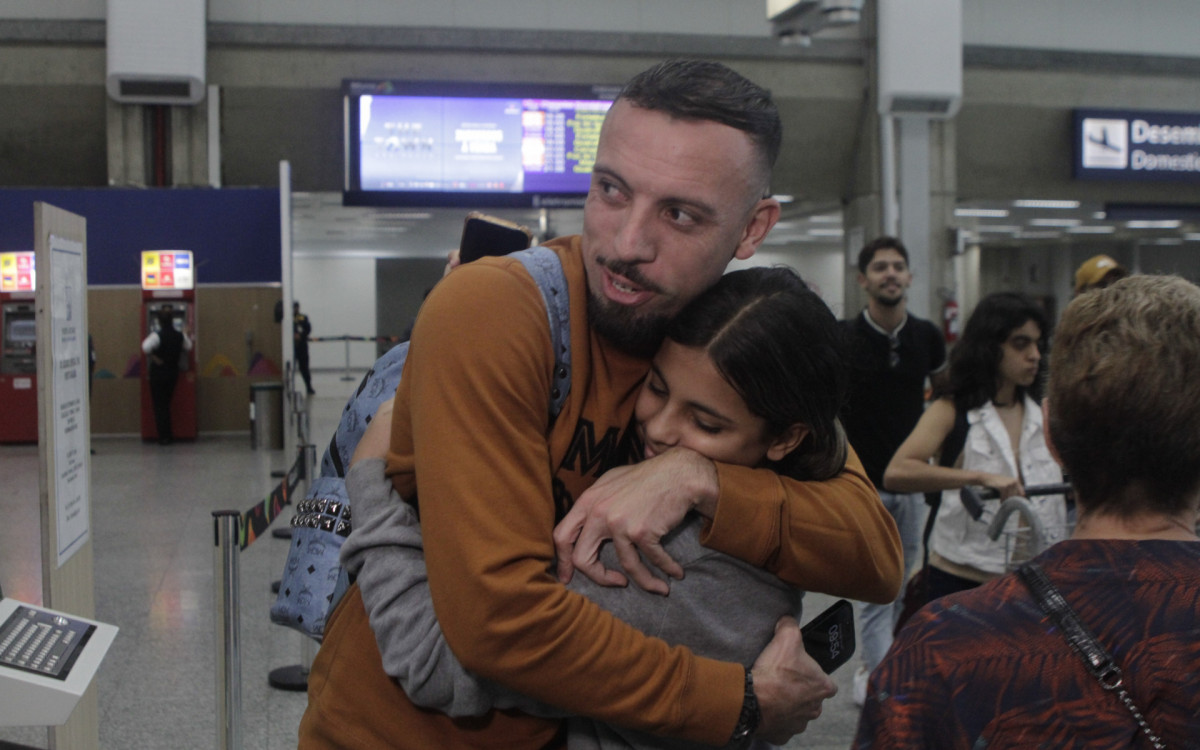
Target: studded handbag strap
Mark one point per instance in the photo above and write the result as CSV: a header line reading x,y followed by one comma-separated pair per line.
x,y
1099,662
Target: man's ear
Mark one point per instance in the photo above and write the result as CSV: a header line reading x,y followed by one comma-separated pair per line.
x,y
1046,431
762,217
862,280
787,442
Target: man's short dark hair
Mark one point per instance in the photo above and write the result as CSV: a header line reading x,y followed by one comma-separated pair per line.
x,y
867,254
705,90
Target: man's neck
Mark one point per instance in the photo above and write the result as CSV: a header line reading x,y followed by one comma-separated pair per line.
x,y
887,317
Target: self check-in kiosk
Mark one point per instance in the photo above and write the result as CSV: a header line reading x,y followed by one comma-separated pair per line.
x,y
168,285
18,362
47,660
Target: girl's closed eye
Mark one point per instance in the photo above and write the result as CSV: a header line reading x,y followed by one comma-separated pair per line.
x,y
711,429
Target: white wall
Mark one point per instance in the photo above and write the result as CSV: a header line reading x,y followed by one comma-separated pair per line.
x,y
338,295
821,266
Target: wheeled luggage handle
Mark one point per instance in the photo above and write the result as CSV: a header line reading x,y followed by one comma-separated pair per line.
x,y
973,497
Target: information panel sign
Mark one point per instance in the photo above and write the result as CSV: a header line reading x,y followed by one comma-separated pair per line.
x,y
17,272
1113,144
167,269
69,381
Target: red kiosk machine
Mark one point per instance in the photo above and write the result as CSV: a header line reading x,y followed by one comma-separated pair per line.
x,y
169,284
18,361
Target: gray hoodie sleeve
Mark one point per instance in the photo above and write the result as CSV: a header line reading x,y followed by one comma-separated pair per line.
x,y
385,551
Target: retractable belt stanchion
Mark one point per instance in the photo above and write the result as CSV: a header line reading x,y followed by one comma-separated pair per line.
x,y
347,376
233,532
227,524
295,676
300,406
300,412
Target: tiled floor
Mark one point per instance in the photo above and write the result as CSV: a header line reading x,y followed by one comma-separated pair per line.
x,y
152,533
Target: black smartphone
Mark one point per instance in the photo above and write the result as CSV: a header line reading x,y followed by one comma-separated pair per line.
x,y
490,235
829,637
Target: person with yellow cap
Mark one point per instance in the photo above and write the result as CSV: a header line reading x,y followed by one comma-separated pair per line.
x,y
1098,272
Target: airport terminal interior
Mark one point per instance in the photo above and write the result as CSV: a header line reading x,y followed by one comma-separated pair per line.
x,y
250,161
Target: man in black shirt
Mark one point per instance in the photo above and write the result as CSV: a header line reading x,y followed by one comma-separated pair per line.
x,y
892,353
301,329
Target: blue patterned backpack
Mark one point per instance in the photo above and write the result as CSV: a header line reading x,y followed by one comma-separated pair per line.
x,y
313,579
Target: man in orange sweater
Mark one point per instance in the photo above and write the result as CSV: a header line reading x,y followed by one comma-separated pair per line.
x,y
679,189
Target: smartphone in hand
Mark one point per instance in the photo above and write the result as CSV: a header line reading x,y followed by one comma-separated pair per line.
x,y
490,235
829,637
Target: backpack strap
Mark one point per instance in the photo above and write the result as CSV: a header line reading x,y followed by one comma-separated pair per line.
x,y
952,446
381,380
545,267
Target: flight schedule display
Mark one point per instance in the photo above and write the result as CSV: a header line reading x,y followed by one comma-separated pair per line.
x,y
477,144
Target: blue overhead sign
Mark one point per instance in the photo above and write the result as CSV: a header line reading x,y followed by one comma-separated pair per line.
x,y
1112,144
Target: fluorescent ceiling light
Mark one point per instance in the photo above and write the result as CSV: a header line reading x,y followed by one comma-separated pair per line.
x,y
1154,224
1037,235
826,219
787,239
1031,203
1192,236
998,228
784,197
988,213
826,232
404,215
1054,222
1091,229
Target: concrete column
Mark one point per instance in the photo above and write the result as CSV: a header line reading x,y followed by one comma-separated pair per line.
x,y
126,145
943,197
129,145
862,219
928,192
189,145
927,195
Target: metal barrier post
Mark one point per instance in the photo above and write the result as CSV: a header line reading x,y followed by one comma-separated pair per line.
x,y
300,406
347,376
227,601
295,676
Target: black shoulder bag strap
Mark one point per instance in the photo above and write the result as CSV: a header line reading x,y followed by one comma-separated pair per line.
x,y
1097,659
952,446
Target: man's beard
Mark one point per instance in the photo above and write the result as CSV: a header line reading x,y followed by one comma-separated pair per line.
x,y
635,335
889,301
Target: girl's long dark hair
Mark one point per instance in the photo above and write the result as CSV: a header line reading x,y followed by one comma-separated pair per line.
x,y
975,360
779,346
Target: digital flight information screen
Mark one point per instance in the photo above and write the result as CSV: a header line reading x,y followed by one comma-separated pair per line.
x,y
496,147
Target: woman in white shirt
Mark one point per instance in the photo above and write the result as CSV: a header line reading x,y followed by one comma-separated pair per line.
x,y
996,379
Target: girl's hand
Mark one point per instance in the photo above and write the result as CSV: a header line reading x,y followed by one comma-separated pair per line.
x,y
1006,486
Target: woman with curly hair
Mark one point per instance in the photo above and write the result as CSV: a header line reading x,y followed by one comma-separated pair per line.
x,y
995,384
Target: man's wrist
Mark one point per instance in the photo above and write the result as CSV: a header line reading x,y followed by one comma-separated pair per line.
x,y
706,486
751,715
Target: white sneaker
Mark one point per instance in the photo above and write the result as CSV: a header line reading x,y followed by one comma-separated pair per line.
x,y
859,690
